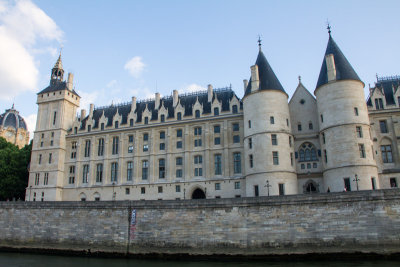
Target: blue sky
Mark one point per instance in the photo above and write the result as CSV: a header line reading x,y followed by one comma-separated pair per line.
x,y
120,49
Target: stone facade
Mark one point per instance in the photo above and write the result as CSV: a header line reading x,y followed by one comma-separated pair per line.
x,y
212,144
344,222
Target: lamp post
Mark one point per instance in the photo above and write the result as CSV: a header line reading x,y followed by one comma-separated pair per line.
x,y
356,180
268,186
113,195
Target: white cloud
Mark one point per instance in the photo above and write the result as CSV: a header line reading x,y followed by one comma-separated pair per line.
x,y
22,26
135,66
31,123
192,88
142,93
87,99
111,84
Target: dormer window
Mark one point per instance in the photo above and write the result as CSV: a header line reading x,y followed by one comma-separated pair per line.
x,y
102,126
162,118
89,128
179,116
216,111
197,113
146,120
131,122
379,103
234,109
116,124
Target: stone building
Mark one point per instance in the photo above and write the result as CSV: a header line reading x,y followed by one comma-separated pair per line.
x,y
13,128
212,144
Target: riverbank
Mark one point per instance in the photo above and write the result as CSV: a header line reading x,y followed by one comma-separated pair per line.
x,y
365,223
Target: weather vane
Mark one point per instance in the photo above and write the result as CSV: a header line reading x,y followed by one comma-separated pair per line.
x,y
328,27
259,41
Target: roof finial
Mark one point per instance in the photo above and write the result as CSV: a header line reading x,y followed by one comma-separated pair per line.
x,y
299,79
12,106
328,27
259,42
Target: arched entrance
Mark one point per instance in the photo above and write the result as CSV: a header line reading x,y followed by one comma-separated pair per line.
x,y
198,194
310,187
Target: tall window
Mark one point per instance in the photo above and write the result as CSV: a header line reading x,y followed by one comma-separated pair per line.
x,y
387,153
325,156
116,123
40,159
361,148
251,161
393,182
101,126
197,133
250,143
322,118
50,155
236,139
272,120
323,138
87,148
179,116
216,111
359,131
198,159
89,128
46,179
378,103
179,133
217,129
237,163
347,185
179,161
129,171
281,189
145,137
275,157
356,111
161,168
37,178
198,172
55,117
162,135
99,173
307,152
274,140
299,127
115,145
310,126
235,127
71,175
197,113
256,192
145,169
383,126
234,109
249,123
218,164
162,118
85,176
131,122
146,120
114,172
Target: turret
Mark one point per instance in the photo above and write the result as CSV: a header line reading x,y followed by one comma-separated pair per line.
x,y
346,143
269,166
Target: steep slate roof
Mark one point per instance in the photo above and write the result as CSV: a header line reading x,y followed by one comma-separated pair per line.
x,y
344,71
267,77
187,101
56,86
386,85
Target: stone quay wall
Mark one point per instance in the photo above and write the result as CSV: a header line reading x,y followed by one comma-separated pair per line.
x,y
348,222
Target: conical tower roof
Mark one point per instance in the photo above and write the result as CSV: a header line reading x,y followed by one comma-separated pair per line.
x,y
267,77
344,71
58,64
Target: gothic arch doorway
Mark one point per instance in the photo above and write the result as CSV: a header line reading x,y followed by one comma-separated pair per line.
x,y
198,194
310,187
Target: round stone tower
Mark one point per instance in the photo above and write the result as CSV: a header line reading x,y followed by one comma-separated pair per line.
x,y
269,160
346,143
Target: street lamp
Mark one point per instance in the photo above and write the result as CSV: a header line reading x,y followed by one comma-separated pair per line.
x,y
268,186
356,180
113,195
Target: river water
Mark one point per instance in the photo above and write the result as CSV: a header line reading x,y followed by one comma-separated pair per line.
x,y
38,260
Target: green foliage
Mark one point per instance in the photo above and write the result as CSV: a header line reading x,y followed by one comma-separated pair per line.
x,y
13,170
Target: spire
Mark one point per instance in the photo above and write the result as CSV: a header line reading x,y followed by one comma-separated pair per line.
x,y
58,64
343,69
57,73
266,76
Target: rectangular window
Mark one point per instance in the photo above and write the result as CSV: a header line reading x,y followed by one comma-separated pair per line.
x,y
127,191
359,131
274,140
40,159
100,150
198,172
373,182
217,141
145,137
275,157
322,118
37,178
179,161
291,159
361,148
251,161
85,176
217,129
162,135
281,189
102,126
383,126
179,133
393,182
71,179
73,155
145,169
290,141
146,120
145,148
197,142
130,138
235,127
129,171
237,163
162,118
216,111
131,122
218,164
179,116
160,189
256,193
249,124
130,149
54,117
299,127
197,131
115,145
99,173
250,143
197,113
73,145
89,128
325,156
177,188
114,172
347,186
356,111
323,138
116,123
161,168
143,190
162,146
237,185
87,148
234,109
179,144
272,120
387,153
46,179
51,143
236,139
379,103
179,173
198,159
310,126
50,157
217,186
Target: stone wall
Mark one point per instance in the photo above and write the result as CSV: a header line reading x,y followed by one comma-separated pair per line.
x,y
367,221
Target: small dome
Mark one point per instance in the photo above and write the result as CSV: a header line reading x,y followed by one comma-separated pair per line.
x,y
11,118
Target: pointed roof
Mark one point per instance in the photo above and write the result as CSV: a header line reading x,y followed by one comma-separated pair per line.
x,y
267,77
58,64
344,71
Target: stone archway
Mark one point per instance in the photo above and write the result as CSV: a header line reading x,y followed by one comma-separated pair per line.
x,y
310,187
198,194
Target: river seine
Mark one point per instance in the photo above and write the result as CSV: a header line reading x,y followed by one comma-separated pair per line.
x,y
37,260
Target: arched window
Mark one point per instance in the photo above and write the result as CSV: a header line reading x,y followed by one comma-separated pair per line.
x,y
307,152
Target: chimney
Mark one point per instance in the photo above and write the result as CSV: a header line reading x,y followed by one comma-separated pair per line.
x,y
157,101
245,84
70,81
91,110
175,98
330,67
255,82
210,92
83,113
133,104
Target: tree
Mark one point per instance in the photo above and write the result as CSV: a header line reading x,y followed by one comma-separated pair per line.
x,y
13,170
